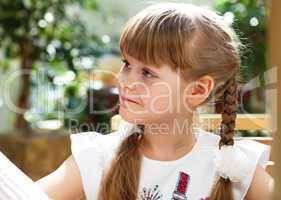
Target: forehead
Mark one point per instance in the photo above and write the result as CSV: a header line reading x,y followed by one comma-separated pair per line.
x,y
162,69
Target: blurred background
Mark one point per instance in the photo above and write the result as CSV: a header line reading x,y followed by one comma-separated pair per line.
x,y
58,61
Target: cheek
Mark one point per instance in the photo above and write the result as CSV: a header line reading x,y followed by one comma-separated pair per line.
x,y
161,99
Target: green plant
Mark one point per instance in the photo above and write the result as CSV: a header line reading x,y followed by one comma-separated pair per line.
x,y
45,34
250,22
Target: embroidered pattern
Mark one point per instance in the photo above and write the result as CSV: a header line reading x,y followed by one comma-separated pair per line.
x,y
181,187
180,191
151,193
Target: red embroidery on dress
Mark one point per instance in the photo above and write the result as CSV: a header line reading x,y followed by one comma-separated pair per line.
x,y
181,187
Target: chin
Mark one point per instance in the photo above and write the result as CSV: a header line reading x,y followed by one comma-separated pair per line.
x,y
128,116
139,119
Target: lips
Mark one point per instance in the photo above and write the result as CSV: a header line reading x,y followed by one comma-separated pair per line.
x,y
124,98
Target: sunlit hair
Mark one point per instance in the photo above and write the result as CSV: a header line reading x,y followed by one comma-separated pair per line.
x,y
197,41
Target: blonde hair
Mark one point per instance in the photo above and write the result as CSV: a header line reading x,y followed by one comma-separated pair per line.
x,y
198,42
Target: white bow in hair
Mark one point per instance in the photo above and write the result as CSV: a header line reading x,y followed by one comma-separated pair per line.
x,y
232,163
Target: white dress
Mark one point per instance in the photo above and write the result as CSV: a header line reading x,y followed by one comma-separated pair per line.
x,y
189,177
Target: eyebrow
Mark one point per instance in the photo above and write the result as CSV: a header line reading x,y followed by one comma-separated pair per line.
x,y
150,68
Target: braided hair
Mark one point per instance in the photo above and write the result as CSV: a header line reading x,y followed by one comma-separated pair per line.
x,y
223,188
229,114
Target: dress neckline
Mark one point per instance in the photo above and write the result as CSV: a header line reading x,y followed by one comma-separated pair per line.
x,y
197,134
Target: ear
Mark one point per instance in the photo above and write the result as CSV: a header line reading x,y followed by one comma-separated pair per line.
x,y
199,90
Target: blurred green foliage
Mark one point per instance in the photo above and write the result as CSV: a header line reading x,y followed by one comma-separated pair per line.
x,y
250,22
48,37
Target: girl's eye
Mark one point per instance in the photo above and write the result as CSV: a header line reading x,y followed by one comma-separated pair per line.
x,y
147,73
126,63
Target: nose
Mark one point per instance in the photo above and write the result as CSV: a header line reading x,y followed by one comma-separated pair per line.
x,y
126,81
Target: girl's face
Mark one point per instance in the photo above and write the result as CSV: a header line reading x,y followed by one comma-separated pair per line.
x,y
150,94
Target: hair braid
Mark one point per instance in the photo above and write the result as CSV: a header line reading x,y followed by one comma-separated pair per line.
x,y
229,114
122,179
223,188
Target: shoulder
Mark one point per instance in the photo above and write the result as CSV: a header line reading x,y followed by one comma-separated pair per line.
x,y
92,152
207,139
93,140
257,152
262,185
258,155
94,146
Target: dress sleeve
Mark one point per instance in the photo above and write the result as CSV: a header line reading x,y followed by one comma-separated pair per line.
x,y
258,154
86,149
93,153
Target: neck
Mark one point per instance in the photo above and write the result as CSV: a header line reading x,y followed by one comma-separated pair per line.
x,y
168,141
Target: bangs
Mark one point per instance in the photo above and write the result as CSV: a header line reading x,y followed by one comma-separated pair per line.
x,y
157,37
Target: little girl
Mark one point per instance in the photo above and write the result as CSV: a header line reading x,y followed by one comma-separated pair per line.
x,y
176,57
